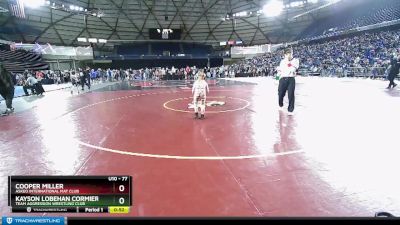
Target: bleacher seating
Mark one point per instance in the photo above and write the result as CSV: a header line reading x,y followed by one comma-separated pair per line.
x,y
133,49
198,50
18,67
19,56
160,48
368,13
360,55
18,61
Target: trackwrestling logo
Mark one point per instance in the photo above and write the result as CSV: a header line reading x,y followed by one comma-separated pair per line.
x,y
33,220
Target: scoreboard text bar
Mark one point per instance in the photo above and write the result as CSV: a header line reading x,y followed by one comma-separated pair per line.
x,y
70,194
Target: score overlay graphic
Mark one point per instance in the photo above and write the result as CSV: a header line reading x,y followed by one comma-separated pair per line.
x,y
70,194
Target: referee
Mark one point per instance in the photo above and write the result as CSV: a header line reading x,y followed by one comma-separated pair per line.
x,y
6,90
287,83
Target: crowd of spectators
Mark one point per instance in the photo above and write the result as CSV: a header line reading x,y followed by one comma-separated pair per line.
x,y
159,73
367,53
109,75
43,76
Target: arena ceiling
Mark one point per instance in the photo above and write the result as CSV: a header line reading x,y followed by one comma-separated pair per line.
x,y
130,20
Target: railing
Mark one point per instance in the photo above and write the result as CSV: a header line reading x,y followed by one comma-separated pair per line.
x,y
373,72
128,57
366,72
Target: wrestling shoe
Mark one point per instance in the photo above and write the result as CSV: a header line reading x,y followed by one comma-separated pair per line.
x,y
196,115
202,117
394,85
8,112
383,214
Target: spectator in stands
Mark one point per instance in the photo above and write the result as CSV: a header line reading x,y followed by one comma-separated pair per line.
x,y
14,78
87,77
122,74
208,73
59,77
75,78
20,79
82,78
30,84
116,74
39,76
173,71
187,72
93,75
6,90
109,74
343,56
147,73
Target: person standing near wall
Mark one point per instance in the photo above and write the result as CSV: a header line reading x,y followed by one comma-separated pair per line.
x,y
393,71
6,90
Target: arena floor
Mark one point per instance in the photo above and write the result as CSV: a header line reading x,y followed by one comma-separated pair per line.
x,y
337,156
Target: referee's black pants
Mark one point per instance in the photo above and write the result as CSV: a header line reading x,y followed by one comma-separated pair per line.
x,y
287,84
391,80
8,95
85,80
